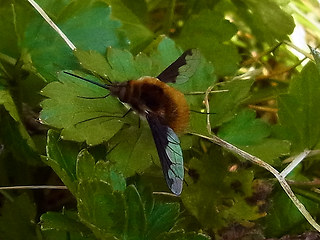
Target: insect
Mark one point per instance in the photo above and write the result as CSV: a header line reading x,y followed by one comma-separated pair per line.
x,y
165,109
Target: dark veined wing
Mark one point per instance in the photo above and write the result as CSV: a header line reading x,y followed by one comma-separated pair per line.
x,y
182,69
170,153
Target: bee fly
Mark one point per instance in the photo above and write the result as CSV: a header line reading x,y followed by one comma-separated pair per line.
x,y
165,109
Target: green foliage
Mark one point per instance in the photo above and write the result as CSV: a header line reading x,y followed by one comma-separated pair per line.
x,y
17,220
279,223
67,98
49,52
299,112
211,25
266,19
106,206
109,162
253,136
218,192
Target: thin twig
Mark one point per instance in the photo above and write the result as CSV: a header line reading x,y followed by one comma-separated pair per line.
x,y
52,24
165,194
260,163
294,163
206,103
268,167
34,187
263,108
313,183
202,93
307,54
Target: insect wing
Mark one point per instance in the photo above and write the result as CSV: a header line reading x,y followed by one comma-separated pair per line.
x,y
170,153
182,69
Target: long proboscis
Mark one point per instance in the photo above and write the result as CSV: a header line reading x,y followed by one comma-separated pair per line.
x,y
106,86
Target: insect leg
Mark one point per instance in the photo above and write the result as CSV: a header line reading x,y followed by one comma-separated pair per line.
x,y
104,116
101,97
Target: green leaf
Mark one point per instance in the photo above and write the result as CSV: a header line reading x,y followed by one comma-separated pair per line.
x,y
250,134
266,19
117,181
120,66
244,129
278,222
101,209
162,219
145,192
7,101
125,67
14,18
17,219
94,62
65,221
212,25
87,169
78,22
138,34
136,218
139,150
299,112
17,129
62,158
218,190
263,149
16,139
225,105
67,109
